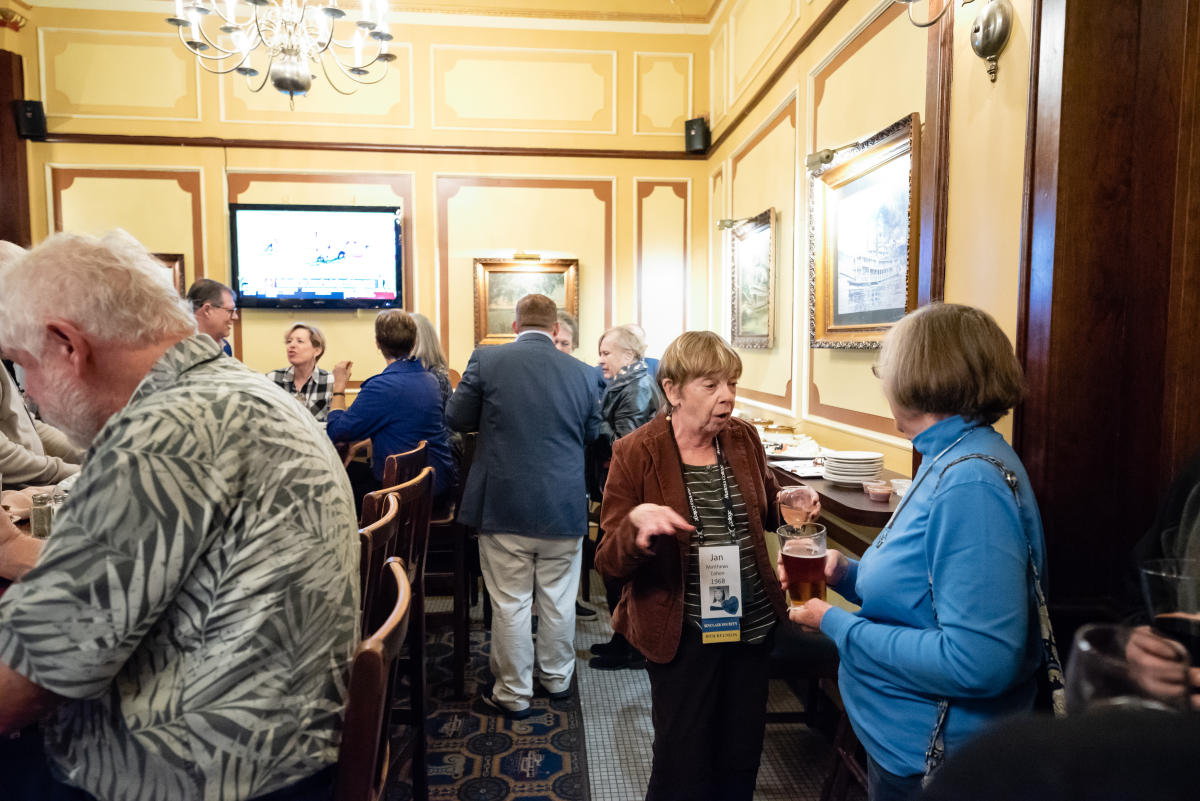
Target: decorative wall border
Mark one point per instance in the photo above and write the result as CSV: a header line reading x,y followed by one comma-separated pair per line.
x,y
643,188
787,112
734,89
691,91
433,122
238,181
190,180
41,55
412,105
447,186
934,173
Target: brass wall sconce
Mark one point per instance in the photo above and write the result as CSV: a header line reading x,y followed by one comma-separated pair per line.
x,y
11,19
989,32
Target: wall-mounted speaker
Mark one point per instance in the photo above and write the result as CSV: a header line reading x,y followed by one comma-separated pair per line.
x,y
31,119
696,136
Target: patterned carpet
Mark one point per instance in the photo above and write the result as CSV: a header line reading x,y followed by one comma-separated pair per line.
x,y
478,755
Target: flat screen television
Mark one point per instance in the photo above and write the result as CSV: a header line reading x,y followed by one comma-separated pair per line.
x,y
316,257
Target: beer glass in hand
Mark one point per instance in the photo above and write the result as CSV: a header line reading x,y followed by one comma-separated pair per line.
x,y
1172,588
802,551
1116,666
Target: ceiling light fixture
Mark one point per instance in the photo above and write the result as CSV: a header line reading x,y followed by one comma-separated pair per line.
x,y
293,36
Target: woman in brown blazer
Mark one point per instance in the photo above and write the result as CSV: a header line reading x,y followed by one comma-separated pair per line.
x,y
689,490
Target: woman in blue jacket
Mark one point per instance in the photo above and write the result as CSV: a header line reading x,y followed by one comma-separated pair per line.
x,y
948,638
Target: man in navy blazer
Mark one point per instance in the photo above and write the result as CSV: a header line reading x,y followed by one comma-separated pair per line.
x,y
535,409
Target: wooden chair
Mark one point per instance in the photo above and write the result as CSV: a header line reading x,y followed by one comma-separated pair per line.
x,y
401,467
397,469
848,759
378,542
357,450
415,500
363,757
447,568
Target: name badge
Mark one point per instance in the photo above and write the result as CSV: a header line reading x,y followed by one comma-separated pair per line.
x,y
720,594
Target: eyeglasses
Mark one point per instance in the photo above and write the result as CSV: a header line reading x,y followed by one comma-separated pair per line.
x,y
233,310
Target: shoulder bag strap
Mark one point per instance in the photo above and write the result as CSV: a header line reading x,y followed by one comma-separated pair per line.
x,y
1053,665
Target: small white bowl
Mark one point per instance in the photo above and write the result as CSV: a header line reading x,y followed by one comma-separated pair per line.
x,y
900,486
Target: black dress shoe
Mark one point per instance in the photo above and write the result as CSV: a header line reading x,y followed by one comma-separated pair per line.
x,y
618,660
490,701
583,611
600,648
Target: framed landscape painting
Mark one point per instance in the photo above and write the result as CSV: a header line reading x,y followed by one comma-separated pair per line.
x,y
500,283
863,228
753,276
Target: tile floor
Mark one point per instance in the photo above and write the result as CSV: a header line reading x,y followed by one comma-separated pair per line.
x,y
616,714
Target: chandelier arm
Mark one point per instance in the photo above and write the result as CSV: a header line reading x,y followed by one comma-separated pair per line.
x,y
199,54
945,7
329,80
266,74
245,57
213,44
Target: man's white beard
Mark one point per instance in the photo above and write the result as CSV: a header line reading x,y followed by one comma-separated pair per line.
x,y
71,409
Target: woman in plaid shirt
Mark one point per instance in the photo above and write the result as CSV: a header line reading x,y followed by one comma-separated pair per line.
x,y
308,383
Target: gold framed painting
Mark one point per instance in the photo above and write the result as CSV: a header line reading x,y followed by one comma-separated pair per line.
x,y
753,276
500,283
174,263
863,220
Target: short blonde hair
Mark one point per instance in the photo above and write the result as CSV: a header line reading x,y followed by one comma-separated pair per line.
x,y
314,334
947,358
697,354
625,338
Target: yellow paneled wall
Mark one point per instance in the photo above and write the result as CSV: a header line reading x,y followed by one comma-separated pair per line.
x,y
865,70
643,230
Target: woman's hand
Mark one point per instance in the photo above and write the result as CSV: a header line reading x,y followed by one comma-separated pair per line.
x,y
1158,665
341,375
809,615
652,520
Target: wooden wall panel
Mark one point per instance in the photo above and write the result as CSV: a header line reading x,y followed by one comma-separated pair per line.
x,y
14,174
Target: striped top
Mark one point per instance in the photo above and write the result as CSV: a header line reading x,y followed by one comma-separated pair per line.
x,y
705,484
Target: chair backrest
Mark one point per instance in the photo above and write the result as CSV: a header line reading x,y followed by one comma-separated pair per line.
x,y
378,542
454,377
363,754
401,467
412,536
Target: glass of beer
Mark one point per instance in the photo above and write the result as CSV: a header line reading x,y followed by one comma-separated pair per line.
x,y
803,550
1172,590
1103,672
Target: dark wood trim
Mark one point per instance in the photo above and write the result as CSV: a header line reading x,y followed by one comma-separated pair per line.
x,y
401,184
810,35
783,401
1109,304
935,161
363,147
14,163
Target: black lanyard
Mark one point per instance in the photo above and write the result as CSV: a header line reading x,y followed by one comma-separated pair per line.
x,y
725,497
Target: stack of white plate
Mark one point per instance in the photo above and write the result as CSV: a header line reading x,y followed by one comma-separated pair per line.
x,y
851,468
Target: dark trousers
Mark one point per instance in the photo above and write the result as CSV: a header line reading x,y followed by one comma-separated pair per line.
x,y
362,481
27,777
884,786
709,707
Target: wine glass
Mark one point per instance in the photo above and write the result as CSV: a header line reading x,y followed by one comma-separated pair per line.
x,y
1119,666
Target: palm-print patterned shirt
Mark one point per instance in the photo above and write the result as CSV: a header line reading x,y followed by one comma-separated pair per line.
x,y
197,601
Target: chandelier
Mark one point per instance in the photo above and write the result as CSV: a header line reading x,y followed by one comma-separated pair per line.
x,y
293,37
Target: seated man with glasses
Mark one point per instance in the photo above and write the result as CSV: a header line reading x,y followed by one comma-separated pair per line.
x,y
212,303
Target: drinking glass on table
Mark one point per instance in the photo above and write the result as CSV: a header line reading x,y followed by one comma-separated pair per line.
x,y
802,551
1118,666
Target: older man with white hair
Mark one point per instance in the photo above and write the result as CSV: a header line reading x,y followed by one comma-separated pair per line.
x,y
186,629
31,452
